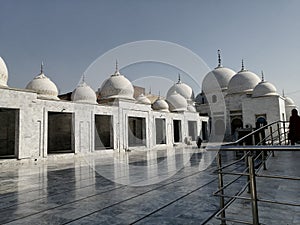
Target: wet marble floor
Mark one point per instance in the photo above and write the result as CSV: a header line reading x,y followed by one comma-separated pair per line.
x,y
172,186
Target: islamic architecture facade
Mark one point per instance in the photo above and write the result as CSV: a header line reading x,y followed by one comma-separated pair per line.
x,y
36,122
239,101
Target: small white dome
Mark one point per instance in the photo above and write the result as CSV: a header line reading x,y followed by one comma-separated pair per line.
x,y
177,103
289,101
3,73
160,105
84,93
143,99
182,89
264,88
44,87
217,79
191,108
116,86
243,81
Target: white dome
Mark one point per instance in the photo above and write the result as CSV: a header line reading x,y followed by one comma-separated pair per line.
x,y
182,89
143,99
191,108
177,103
3,73
84,93
116,86
243,81
44,87
160,105
289,101
217,79
264,88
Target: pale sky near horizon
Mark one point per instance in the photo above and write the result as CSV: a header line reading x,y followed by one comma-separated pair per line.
x,y
68,35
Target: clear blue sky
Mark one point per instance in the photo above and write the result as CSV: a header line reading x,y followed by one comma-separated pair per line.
x,y
68,35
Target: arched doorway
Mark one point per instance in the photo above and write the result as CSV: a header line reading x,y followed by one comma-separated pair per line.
x,y
236,123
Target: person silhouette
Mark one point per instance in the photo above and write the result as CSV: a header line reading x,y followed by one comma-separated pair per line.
x,y
294,127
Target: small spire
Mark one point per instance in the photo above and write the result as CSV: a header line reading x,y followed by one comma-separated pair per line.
x,y
179,79
42,67
283,93
117,72
83,77
262,76
159,93
219,58
117,67
149,90
243,68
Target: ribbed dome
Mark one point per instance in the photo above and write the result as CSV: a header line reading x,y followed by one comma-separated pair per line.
x,y
143,99
116,86
3,73
182,89
264,88
243,81
44,87
217,79
84,93
177,103
160,105
289,101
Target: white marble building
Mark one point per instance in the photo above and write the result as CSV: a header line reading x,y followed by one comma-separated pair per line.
x,y
36,123
239,101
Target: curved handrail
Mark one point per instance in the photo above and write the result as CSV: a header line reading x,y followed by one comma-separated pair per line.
x,y
255,132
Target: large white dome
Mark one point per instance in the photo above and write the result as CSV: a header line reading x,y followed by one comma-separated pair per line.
x,y
182,89
3,73
217,79
177,103
116,86
160,105
264,88
244,81
84,93
44,87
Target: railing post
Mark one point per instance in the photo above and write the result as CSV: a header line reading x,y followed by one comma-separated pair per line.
x,y
271,135
263,156
220,185
278,130
284,133
255,218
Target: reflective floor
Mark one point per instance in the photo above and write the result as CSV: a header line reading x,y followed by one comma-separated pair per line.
x,y
172,186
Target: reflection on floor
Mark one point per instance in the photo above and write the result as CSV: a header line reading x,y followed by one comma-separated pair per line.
x,y
172,186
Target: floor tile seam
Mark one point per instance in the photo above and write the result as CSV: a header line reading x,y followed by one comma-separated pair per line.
x,y
72,202
128,199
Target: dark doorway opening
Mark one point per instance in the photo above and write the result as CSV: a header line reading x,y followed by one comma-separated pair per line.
x,y
9,129
104,136
177,130
60,133
192,125
160,125
136,131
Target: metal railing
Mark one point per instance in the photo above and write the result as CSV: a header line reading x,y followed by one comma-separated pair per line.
x,y
255,157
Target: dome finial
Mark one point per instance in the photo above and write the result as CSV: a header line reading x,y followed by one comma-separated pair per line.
x,y
262,76
283,93
83,77
117,72
117,67
150,90
219,58
179,79
42,67
243,68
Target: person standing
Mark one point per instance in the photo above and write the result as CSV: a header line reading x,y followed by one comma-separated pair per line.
x,y
294,127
